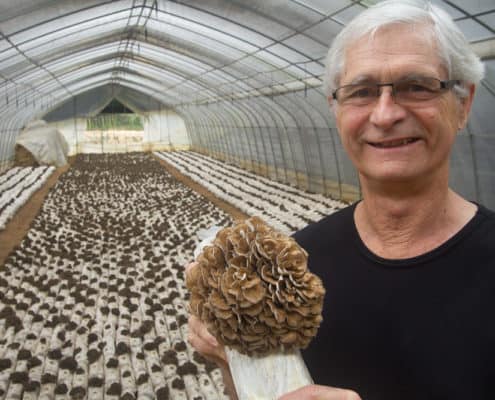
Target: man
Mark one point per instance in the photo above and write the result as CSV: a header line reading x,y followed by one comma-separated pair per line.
x,y
410,269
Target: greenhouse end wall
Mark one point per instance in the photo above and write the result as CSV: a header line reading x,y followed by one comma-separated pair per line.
x,y
162,130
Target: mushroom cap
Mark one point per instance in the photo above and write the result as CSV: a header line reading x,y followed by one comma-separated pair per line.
x,y
253,290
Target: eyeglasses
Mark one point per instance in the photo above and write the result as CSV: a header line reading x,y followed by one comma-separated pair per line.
x,y
408,91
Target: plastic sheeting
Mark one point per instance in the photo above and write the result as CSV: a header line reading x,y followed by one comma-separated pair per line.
x,y
46,144
92,102
243,76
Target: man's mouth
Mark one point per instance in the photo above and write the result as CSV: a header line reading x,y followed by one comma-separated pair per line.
x,y
394,143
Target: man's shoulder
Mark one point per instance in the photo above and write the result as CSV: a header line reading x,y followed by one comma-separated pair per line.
x,y
484,221
483,228
486,213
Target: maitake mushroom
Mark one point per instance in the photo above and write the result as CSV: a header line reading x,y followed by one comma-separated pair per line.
x,y
252,289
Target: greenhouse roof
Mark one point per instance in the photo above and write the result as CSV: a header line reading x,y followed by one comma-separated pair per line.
x,y
183,52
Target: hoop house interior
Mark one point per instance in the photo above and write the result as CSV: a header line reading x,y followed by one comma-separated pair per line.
x,y
240,81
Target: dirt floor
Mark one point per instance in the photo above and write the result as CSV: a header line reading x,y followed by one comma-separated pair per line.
x,y
18,226
227,207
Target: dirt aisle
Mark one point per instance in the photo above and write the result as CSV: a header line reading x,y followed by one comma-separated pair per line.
x,y
234,212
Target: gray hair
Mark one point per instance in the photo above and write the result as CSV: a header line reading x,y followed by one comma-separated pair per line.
x,y
455,52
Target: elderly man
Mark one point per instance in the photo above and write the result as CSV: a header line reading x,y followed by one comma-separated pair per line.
x,y
410,269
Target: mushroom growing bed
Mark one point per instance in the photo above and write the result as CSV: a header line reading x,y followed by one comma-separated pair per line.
x,y
16,187
93,300
285,208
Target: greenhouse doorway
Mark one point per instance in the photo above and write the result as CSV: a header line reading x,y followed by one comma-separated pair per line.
x,y
115,129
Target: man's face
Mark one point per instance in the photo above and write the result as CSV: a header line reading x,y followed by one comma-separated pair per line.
x,y
386,141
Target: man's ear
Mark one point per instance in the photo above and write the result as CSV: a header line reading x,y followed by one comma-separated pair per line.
x,y
465,106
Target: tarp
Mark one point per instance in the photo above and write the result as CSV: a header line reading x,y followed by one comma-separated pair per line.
x,y
47,145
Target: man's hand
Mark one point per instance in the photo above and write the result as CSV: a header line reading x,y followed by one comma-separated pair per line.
x,y
204,342
318,392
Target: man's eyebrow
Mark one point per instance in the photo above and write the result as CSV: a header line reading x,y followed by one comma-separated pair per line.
x,y
418,76
361,79
365,78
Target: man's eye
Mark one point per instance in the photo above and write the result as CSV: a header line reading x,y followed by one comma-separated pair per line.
x,y
360,92
413,87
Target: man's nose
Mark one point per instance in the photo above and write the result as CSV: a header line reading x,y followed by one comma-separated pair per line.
x,y
386,112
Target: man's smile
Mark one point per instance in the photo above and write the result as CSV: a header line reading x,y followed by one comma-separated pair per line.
x,y
393,143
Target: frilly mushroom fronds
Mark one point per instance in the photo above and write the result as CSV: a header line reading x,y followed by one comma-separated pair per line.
x,y
252,289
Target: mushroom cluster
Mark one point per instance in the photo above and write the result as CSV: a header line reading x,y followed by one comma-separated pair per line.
x,y
253,290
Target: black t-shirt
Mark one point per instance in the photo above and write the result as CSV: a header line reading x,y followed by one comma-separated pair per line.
x,y
419,328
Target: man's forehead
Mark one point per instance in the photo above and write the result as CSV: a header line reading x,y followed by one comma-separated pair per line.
x,y
395,52
394,38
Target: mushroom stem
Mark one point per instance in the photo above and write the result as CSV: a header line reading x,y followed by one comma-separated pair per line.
x,y
267,377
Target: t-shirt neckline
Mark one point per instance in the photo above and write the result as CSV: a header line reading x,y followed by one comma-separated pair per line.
x,y
422,258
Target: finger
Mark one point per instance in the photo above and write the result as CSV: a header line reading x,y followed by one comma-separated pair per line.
x,y
203,341
318,392
215,354
197,328
213,357
191,265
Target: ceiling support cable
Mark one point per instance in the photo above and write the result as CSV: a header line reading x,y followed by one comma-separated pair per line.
x,y
34,62
8,101
124,37
130,31
266,48
474,17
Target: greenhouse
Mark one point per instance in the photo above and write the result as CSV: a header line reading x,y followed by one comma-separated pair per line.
x,y
129,129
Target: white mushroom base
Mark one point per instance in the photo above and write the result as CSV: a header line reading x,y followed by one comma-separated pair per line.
x,y
268,377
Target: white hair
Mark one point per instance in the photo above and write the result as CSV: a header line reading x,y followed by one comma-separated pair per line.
x,y
454,50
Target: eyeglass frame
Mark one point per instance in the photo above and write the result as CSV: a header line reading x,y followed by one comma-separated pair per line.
x,y
444,86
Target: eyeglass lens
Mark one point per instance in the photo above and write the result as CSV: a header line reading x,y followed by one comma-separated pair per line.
x,y
406,90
